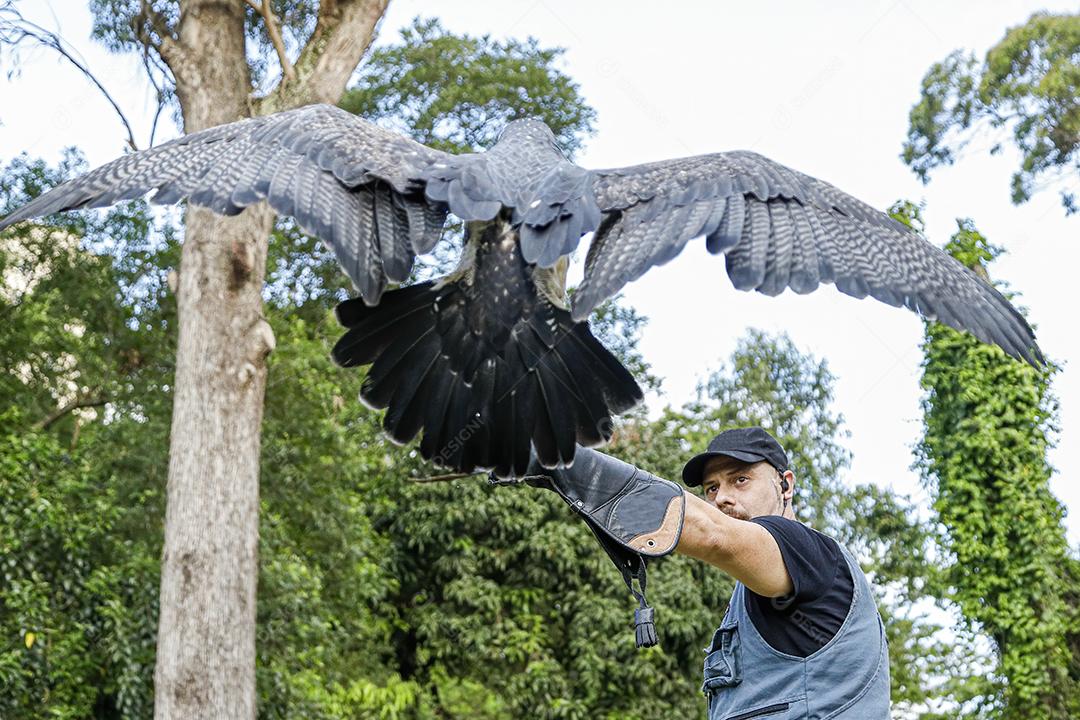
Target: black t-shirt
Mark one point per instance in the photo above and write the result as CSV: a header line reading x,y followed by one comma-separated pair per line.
x,y
803,622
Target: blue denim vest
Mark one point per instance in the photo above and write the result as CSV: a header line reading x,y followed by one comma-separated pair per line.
x,y
847,678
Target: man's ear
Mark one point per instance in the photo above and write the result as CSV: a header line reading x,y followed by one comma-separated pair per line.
x,y
787,483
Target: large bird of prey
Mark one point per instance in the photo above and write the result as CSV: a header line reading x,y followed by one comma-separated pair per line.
x,y
494,357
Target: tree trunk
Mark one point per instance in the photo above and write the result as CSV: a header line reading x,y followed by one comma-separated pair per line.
x,y
206,632
205,666
206,627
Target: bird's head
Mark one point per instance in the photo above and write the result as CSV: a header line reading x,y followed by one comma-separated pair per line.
x,y
530,131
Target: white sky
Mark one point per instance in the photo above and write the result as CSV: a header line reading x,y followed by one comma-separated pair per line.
x,y
824,87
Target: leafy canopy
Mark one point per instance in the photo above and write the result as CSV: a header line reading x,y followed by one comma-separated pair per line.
x,y
1028,85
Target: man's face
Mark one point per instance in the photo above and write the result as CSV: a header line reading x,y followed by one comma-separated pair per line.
x,y
740,489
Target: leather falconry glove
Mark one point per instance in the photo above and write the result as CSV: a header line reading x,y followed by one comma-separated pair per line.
x,y
633,514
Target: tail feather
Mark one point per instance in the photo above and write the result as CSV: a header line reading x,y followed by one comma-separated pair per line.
x,y
556,419
435,415
455,333
406,354
543,435
372,329
454,433
621,391
524,394
515,397
590,409
481,398
501,452
351,313
403,381
405,416
468,356
478,443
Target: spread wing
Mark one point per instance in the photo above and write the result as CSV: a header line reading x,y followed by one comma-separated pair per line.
x,y
777,229
357,187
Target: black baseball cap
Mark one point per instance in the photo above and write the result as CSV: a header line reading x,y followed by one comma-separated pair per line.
x,y
750,445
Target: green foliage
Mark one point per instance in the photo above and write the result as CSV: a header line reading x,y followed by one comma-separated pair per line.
x,y
117,22
987,427
618,327
45,650
1028,83
86,354
456,92
59,303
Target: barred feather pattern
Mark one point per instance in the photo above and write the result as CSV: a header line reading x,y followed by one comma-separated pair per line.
x,y
779,229
378,199
355,186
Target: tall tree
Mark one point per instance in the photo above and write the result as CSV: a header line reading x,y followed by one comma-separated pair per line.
x,y
206,641
988,423
1027,84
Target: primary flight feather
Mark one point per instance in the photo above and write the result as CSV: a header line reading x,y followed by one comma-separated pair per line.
x,y
494,357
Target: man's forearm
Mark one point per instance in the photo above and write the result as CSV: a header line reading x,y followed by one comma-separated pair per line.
x,y
705,531
743,549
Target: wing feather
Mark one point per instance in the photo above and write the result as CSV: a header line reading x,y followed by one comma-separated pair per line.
x,y
805,266
779,228
780,250
314,163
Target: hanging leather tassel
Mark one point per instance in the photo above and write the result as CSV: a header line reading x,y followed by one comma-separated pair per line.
x,y
644,616
632,567
644,628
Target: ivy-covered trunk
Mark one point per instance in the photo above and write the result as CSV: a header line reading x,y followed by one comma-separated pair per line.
x,y
986,427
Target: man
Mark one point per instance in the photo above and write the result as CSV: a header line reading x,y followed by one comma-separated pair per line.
x,y
802,637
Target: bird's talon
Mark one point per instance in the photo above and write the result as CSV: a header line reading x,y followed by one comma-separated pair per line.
x,y
494,479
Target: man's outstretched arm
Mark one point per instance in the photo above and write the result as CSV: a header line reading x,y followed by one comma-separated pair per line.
x,y
636,515
636,507
742,549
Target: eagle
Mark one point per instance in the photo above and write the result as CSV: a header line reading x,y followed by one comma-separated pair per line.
x,y
496,361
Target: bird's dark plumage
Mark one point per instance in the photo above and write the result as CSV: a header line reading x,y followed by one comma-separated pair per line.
x,y
485,364
493,358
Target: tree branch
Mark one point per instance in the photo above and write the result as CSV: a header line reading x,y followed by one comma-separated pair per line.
x,y
166,48
273,28
15,29
79,402
166,45
343,32
444,478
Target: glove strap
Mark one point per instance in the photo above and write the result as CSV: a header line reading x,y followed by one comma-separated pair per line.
x,y
632,566
644,625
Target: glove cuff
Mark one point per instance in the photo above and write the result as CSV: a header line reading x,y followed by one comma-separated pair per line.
x,y
635,508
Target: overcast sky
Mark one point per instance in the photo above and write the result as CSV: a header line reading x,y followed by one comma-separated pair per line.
x,y
824,87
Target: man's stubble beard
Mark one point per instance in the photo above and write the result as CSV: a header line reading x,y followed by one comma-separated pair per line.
x,y
737,514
